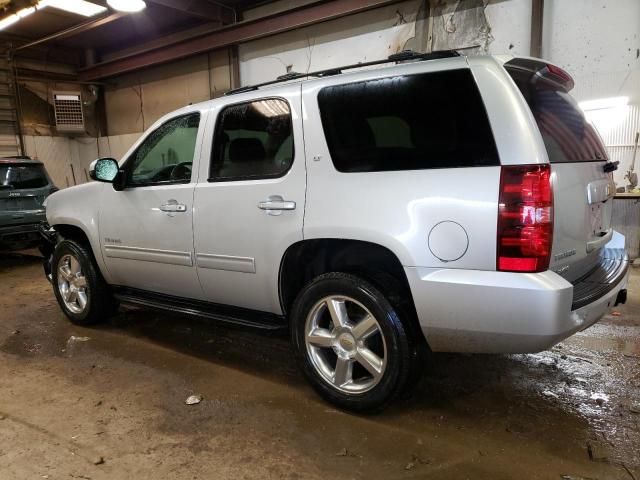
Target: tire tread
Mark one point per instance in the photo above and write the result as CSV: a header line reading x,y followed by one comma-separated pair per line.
x,y
101,302
383,394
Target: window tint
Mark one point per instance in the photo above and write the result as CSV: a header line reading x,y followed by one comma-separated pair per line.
x,y
253,140
22,176
566,133
412,122
166,155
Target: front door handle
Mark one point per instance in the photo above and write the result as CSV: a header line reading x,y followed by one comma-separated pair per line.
x,y
275,205
172,206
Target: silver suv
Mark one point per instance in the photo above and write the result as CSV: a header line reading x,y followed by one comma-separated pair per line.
x,y
437,202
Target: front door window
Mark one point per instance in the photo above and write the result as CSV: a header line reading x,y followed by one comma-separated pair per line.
x,y
166,155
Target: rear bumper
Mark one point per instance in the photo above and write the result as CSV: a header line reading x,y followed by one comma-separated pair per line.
x,y
502,312
16,236
596,284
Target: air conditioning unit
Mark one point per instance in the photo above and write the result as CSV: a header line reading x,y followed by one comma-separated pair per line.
x,y
68,110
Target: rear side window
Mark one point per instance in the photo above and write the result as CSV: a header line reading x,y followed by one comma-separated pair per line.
x,y
22,176
253,140
411,122
567,135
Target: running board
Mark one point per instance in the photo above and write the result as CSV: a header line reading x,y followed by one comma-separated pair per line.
x,y
196,308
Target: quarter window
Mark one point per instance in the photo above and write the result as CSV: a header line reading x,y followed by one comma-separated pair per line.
x,y
166,155
253,140
410,122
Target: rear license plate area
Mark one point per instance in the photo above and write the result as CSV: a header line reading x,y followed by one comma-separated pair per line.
x,y
596,219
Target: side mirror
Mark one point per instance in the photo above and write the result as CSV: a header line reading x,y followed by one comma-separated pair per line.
x,y
104,170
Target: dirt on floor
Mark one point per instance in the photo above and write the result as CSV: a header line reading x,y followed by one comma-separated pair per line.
x,y
109,402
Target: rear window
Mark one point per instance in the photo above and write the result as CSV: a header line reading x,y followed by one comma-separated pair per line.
x,y
410,122
22,177
567,135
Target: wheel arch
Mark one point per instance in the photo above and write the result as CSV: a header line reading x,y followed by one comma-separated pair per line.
x,y
307,259
74,230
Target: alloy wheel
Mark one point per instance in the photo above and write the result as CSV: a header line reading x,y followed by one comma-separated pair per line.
x,y
72,284
346,344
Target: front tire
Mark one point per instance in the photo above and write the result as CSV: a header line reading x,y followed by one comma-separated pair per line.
x,y
82,293
351,343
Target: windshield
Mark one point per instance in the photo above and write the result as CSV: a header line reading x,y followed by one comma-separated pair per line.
x,y
567,135
22,176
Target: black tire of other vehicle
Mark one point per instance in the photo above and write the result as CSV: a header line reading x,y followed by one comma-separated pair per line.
x,y
100,302
399,355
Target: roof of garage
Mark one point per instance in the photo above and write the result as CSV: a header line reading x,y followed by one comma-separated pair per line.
x,y
114,43
111,31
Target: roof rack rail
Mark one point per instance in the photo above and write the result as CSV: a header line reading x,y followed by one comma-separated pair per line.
x,y
404,56
289,75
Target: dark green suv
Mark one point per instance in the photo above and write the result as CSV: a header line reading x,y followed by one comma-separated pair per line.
x,y
24,185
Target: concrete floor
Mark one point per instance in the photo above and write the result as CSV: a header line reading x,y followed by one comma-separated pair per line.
x,y
113,406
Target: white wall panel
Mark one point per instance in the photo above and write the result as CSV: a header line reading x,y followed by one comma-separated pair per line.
x,y
67,159
56,154
372,35
357,38
510,23
597,42
136,100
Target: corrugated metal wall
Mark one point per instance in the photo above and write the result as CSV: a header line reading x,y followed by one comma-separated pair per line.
x,y
9,128
626,220
624,132
619,137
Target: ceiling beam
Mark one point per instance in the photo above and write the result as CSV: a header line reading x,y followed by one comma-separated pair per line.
x,y
240,32
200,9
75,30
28,75
160,42
44,53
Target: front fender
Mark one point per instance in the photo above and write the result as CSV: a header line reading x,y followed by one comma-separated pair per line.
x,y
79,207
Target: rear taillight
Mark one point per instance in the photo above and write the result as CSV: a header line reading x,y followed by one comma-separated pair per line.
x,y
525,218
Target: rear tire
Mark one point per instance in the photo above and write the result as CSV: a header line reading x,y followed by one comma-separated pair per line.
x,y
351,344
83,295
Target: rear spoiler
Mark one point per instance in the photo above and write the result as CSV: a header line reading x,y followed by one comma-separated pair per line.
x,y
539,69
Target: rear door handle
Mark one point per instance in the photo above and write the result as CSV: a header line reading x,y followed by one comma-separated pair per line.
x,y
275,205
173,207
272,205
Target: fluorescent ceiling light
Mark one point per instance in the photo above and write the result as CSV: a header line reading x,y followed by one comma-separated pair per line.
x,y
14,17
8,21
80,7
130,6
604,103
25,12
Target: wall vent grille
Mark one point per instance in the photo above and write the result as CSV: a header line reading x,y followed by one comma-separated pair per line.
x,y
68,109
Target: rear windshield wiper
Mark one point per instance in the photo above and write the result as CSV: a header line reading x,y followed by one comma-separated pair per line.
x,y
610,166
